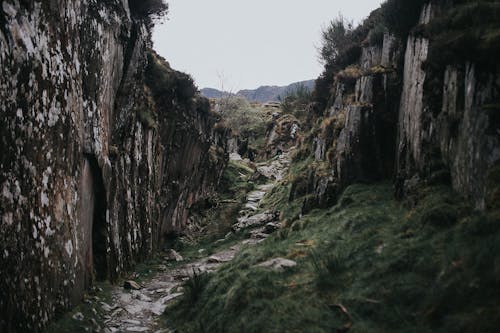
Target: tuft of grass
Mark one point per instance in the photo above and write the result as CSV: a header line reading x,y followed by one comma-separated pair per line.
x,y
327,267
350,74
440,215
194,287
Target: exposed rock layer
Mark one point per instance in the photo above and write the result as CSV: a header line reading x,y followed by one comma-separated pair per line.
x,y
392,114
94,168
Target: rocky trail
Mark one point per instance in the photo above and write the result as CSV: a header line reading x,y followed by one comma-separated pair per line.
x,y
138,307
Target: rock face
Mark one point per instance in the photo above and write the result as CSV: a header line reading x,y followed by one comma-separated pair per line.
x,y
95,166
396,113
356,140
449,128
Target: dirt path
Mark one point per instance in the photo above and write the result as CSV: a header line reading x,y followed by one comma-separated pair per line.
x,y
139,308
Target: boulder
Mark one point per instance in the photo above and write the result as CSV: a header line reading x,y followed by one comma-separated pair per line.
x,y
173,255
255,220
131,285
278,264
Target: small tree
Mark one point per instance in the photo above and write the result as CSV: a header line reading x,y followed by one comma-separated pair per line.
x,y
334,39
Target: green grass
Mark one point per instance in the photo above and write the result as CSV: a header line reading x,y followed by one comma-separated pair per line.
x,y
430,267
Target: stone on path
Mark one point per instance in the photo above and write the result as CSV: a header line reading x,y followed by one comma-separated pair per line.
x,y
78,316
252,206
137,329
271,227
255,196
131,285
255,220
258,234
174,255
218,259
235,157
108,308
265,187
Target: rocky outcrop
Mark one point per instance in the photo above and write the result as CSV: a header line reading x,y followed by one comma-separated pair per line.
x,y
449,128
357,134
397,113
95,165
282,133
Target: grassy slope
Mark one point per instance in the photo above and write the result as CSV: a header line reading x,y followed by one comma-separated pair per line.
x,y
433,268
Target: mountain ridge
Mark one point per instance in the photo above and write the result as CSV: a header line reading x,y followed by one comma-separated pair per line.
x,y
266,93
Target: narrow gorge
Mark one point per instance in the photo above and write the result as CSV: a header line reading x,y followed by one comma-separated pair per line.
x,y
131,203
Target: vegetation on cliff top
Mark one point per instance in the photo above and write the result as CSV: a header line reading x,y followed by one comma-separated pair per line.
x,y
148,10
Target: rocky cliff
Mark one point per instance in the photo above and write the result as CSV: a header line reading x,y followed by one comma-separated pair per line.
x,y
398,109
99,158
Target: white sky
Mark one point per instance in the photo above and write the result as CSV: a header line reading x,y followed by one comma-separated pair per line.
x,y
249,43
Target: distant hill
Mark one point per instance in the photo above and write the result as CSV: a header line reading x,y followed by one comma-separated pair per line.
x,y
262,94
212,93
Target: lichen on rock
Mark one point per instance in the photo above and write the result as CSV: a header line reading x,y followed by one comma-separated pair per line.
x,y
88,189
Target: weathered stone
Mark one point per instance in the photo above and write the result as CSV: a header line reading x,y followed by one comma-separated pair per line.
x,y
255,196
235,157
258,234
255,220
278,264
217,259
108,308
95,167
137,329
251,206
131,285
265,187
78,316
271,227
282,134
173,255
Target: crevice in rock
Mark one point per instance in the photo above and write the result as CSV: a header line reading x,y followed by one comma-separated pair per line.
x,y
99,230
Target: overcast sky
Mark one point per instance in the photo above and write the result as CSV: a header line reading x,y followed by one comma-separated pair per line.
x,y
249,43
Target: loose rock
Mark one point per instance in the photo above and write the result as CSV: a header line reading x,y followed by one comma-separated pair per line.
x,y
131,285
255,220
278,264
174,255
